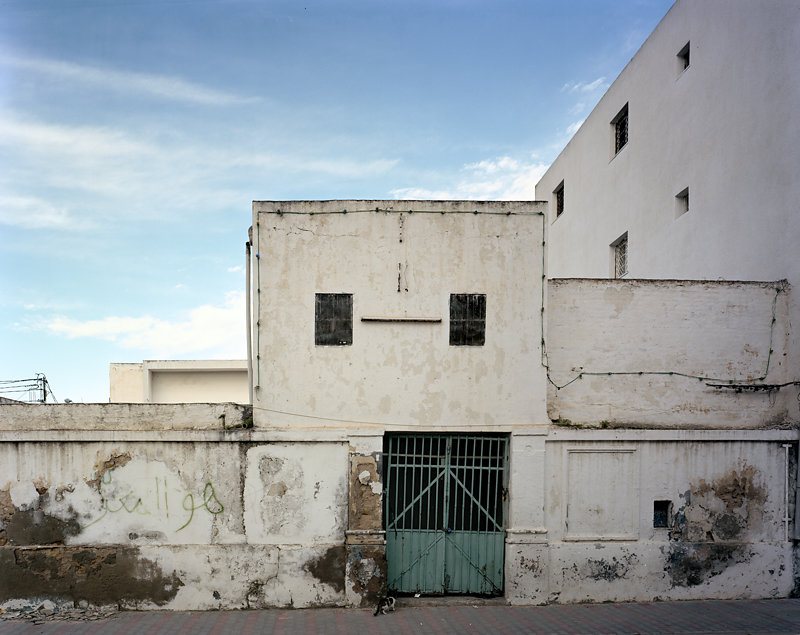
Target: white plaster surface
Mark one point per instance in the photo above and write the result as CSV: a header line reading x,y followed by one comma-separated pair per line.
x,y
726,127
720,331
399,373
296,493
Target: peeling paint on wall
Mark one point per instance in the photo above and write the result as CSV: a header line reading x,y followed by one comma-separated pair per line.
x,y
366,572
726,509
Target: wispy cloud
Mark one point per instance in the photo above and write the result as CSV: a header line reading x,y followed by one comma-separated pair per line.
x,y
574,127
210,330
160,86
504,178
30,212
108,169
586,87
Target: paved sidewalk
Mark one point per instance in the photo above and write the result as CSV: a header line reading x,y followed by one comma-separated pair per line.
x,y
750,616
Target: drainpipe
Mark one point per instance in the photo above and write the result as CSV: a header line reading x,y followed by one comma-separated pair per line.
x,y
786,518
248,318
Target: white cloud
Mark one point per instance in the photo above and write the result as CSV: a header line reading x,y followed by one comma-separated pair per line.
x,y
29,212
235,269
504,179
142,173
574,127
163,86
586,87
213,331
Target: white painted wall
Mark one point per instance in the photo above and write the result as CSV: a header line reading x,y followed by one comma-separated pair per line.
x,y
725,539
179,381
399,374
715,330
727,127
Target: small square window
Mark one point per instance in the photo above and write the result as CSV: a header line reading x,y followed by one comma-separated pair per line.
x,y
619,250
467,319
661,513
620,125
333,319
683,58
559,194
682,202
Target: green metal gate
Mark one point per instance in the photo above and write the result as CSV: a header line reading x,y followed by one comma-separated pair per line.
x,y
444,511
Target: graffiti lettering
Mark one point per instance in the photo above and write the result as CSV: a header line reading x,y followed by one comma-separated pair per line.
x,y
157,501
210,503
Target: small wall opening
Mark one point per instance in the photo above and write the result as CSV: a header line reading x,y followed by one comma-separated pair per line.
x,y
683,58
682,202
661,513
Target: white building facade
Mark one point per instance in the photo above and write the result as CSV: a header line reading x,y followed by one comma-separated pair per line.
x,y
687,167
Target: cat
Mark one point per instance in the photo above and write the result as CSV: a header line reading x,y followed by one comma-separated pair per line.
x,y
385,605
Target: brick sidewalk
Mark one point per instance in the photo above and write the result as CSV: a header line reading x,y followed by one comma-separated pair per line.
x,y
752,617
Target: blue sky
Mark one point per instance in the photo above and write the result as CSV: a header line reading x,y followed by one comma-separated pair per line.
x,y
135,134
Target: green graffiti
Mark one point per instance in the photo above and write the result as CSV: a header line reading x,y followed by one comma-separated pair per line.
x,y
210,503
131,503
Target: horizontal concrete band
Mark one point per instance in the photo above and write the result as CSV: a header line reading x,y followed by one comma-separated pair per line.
x,y
553,435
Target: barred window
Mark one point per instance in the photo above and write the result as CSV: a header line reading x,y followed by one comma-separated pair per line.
x,y
559,192
467,319
333,324
620,247
620,123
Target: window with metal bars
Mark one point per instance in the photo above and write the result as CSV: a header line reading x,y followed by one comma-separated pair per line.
x,y
620,247
467,319
620,125
559,192
333,319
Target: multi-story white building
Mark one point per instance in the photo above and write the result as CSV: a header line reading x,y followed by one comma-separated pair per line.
x,y
688,166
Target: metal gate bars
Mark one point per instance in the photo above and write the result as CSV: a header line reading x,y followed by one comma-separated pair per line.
x,y
444,511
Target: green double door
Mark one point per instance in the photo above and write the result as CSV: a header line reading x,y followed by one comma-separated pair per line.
x,y
444,508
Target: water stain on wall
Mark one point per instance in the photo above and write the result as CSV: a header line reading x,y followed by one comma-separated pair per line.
x,y
99,575
708,530
329,567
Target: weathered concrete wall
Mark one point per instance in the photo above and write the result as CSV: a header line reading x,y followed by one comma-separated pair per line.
x,y
208,518
66,418
204,519
608,331
726,535
399,264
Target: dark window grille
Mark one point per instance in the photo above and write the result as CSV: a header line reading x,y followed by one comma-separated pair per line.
x,y
467,319
560,199
621,257
333,323
621,129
